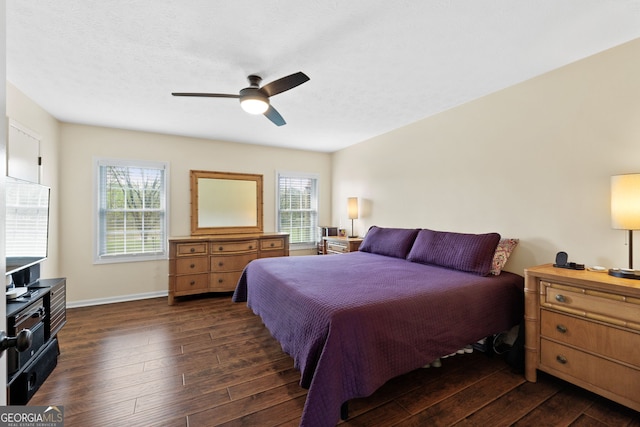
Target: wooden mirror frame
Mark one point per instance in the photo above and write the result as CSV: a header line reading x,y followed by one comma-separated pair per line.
x,y
197,229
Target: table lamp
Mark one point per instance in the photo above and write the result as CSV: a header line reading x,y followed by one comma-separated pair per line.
x,y
625,214
352,211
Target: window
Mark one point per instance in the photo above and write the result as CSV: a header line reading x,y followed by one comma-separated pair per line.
x,y
298,207
131,210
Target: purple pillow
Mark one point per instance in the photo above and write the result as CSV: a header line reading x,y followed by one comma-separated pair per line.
x,y
460,251
393,242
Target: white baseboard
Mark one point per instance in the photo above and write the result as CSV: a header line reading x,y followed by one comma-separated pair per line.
x,y
119,298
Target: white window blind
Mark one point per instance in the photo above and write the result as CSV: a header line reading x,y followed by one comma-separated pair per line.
x,y
132,217
298,207
27,223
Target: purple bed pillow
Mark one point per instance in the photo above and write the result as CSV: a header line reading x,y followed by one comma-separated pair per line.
x,y
465,252
393,242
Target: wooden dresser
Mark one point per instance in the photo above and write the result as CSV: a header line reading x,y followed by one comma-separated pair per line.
x,y
584,327
340,245
200,264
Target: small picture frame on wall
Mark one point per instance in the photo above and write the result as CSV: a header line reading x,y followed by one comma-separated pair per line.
x,y
342,232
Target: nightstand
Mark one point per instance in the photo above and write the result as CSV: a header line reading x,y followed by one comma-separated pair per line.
x,y
584,327
340,245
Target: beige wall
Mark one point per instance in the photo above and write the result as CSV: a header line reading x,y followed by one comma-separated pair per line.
x,y
81,144
532,161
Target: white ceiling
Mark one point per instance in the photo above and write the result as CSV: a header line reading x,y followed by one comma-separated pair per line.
x,y
375,65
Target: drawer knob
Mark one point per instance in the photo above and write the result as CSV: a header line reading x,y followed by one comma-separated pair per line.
x,y
560,298
561,359
193,282
192,250
220,264
21,342
220,280
561,328
192,266
250,246
273,244
221,248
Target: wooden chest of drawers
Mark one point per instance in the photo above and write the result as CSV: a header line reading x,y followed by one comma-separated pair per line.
x,y
584,327
215,263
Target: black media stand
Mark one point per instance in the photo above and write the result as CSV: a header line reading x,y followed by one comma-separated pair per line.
x,y
43,312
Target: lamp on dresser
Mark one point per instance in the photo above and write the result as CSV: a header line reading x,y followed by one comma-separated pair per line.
x,y
625,214
352,211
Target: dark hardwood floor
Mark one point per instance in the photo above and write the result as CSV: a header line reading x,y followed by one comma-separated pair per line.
x,y
210,362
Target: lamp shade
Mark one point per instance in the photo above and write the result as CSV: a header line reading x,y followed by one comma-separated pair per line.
x,y
352,207
254,105
625,201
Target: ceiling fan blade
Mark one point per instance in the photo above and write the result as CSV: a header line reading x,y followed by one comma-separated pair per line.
x,y
285,83
208,95
273,115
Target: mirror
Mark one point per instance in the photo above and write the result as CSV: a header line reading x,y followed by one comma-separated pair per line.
x,y
225,202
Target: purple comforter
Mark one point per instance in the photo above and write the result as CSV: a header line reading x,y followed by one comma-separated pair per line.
x,y
353,321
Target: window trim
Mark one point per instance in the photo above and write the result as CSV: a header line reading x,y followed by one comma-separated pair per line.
x,y
310,175
111,259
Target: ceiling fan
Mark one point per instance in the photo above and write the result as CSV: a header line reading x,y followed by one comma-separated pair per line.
x,y
255,99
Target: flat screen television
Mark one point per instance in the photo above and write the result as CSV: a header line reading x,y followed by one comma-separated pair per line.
x,y
27,224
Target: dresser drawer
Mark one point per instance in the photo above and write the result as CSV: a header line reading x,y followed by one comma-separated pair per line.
x,y
271,244
223,282
192,265
192,282
591,336
222,263
337,247
241,246
584,368
272,253
187,249
607,307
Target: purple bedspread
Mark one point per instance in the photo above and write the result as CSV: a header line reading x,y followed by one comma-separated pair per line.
x,y
351,322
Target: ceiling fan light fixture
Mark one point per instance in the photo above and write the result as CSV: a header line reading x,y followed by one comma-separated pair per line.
x,y
254,105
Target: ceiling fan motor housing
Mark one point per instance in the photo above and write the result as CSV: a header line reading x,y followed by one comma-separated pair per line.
x,y
254,81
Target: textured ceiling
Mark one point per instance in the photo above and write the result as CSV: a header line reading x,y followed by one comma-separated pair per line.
x,y
375,65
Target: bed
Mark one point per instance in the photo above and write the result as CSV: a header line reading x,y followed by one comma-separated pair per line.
x,y
353,321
